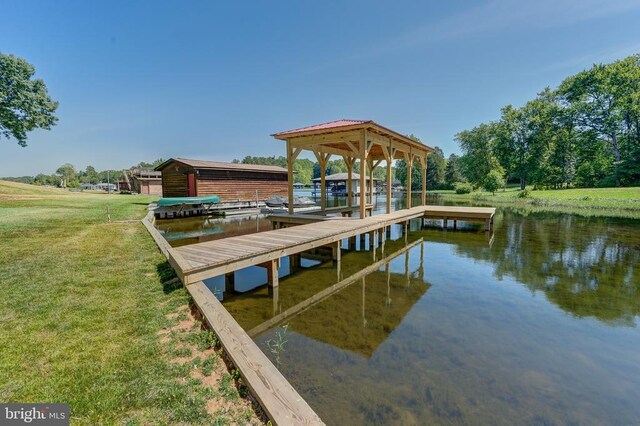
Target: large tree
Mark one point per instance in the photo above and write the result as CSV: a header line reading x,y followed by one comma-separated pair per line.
x,y
24,102
478,146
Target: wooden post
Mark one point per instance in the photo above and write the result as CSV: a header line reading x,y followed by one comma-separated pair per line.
x,y
337,257
406,231
290,174
322,160
371,169
406,267
409,159
272,273
423,171
229,282
294,263
349,162
387,269
421,274
364,285
389,160
273,291
335,252
363,173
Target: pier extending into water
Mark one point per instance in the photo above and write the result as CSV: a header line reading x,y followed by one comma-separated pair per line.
x,y
295,234
209,259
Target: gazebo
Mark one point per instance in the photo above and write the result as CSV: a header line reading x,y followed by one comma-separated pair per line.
x,y
355,140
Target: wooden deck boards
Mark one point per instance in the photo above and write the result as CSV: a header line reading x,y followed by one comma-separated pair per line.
x,y
208,259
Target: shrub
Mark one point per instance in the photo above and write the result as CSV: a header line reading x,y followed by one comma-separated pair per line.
x,y
463,188
524,194
493,181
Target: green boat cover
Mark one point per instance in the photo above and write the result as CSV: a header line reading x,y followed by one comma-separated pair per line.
x,y
178,201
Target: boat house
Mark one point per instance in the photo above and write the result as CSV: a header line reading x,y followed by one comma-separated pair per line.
x,y
232,182
141,181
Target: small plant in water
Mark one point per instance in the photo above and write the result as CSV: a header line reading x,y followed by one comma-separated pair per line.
x,y
277,345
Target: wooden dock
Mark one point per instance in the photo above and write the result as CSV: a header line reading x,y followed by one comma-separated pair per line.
x,y
196,262
209,259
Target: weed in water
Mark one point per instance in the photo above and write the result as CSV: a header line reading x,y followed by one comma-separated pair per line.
x,y
277,345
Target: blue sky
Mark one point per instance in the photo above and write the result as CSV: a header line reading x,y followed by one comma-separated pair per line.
x,y
212,80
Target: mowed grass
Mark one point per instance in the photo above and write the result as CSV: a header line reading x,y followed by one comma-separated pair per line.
x,y
83,302
617,201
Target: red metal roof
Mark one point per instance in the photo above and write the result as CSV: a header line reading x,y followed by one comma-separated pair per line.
x,y
324,126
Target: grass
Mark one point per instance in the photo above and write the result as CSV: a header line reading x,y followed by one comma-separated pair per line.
x,y
83,308
623,202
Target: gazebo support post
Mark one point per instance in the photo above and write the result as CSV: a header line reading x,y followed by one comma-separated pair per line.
x,y
323,159
290,160
409,159
423,172
349,162
363,173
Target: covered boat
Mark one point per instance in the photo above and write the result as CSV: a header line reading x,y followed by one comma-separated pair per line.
x,y
168,208
179,201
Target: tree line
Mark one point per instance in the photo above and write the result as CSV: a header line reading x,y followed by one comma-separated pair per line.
x,y
584,133
67,175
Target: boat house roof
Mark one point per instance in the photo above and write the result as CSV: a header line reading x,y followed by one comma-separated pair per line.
x,y
216,165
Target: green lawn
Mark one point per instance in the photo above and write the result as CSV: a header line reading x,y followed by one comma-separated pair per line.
x,y
83,310
607,201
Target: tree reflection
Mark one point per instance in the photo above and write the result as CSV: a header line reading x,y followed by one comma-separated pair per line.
x,y
587,267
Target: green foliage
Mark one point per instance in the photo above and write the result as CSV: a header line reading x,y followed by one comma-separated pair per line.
x,y
585,133
478,146
453,172
524,193
436,166
493,181
463,188
24,102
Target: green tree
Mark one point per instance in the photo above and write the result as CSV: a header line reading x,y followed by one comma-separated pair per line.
x,y
595,96
478,147
436,166
493,181
24,102
452,172
67,173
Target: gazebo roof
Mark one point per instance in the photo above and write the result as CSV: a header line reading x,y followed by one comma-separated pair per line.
x,y
342,136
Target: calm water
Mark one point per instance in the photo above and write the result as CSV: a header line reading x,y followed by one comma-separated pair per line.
x,y
536,324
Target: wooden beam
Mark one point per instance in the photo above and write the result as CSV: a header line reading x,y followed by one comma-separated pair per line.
x,y
280,401
334,138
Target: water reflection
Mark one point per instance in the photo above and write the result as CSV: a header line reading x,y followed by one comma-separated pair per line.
x,y
587,267
533,325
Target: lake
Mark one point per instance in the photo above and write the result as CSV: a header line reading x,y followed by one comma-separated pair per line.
x,y
533,324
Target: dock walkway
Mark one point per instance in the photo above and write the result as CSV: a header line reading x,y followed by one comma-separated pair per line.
x,y
200,261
